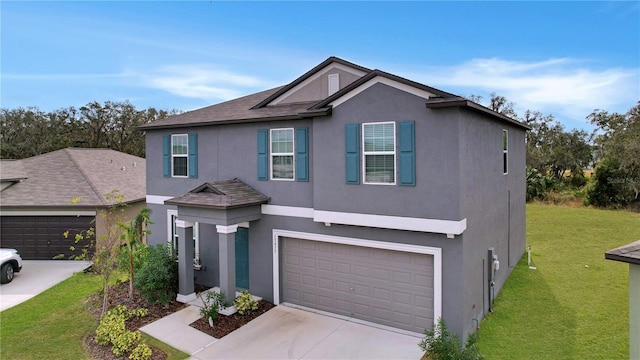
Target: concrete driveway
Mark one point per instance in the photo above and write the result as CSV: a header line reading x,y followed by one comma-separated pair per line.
x,y
288,333
37,276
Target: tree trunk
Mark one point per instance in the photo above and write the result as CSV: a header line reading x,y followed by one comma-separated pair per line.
x,y
130,272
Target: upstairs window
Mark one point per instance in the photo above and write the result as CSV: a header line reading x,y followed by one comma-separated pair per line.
x,y
379,152
505,152
179,155
282,154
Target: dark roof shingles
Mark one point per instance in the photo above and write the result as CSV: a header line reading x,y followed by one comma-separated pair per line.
x,y
629,253
226,194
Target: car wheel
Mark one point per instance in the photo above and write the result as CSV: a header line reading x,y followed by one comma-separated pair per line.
x,y
7,273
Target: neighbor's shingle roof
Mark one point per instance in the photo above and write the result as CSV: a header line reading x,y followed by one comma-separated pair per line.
x,y
629,253
226,194
55,178
12,170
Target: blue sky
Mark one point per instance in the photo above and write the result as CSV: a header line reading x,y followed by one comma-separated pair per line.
x,y
560,58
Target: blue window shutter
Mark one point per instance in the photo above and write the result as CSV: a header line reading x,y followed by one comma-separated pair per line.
x,y
263,155
406,154
302,154
193,155
352,147
166,155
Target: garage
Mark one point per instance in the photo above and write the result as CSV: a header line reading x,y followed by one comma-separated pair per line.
x,y
41,237
361,279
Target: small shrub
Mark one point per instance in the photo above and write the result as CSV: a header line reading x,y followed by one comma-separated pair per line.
x,y
157,278
440,344
125,342
112,330
141,352
211,306
245,303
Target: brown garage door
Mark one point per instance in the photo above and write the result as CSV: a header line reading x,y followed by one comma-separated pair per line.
x,y
387,287
41,237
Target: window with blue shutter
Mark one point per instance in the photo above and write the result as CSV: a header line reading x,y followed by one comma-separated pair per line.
x,y
406,154
263,155
352,153
302,154
193,155
166,155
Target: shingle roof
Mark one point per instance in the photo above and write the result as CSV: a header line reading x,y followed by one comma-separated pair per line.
x,y
226,194
12,170
257,107
237,110
629,253
55,178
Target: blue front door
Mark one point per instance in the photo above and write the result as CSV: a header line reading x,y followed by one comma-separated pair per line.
x,y
242,258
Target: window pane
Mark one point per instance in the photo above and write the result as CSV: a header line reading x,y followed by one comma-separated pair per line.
x,y
179,144
282,167
379,168
379,137
282,141
179,166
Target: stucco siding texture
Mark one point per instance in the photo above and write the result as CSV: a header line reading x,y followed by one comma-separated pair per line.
x,y
435,195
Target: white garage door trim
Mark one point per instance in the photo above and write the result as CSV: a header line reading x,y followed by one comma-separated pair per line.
x,y
436,252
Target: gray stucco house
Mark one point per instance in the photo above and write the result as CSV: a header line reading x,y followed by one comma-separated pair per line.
x,y
350,191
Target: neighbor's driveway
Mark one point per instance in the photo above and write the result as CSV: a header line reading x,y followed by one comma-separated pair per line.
x,y
288,333
37,276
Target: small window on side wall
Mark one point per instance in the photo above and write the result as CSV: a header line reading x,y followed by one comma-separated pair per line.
x,y
505,152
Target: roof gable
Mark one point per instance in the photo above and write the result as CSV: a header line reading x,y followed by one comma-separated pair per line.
x,y
226,194
313,85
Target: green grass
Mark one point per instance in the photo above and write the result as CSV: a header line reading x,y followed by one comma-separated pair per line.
x,y
53,324
50,325
575,305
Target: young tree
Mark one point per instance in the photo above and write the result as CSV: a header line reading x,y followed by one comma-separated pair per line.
x,y
133,233
105,248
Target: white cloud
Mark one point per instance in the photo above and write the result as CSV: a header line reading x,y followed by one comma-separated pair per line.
x,y
202,81
564,87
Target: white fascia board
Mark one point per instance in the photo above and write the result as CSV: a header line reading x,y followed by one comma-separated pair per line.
x,y
429,250
381,80
315,76
392,222
157,199
291,211
46,213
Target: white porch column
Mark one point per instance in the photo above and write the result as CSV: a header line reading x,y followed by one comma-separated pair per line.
x,y
227,260
634,311
186,291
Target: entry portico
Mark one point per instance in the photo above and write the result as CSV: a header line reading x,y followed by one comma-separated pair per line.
x,y
224,204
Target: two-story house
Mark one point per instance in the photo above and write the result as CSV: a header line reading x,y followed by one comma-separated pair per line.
x,y
350,191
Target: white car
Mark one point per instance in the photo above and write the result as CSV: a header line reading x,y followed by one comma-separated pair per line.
x,y
11,264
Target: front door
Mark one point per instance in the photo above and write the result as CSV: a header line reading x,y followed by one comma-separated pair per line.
x,y
242,258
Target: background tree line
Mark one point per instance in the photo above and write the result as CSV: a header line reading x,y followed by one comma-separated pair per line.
x,y
601,168
27,132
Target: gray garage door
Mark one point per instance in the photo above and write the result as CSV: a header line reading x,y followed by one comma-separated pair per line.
x,y
382,286
41,237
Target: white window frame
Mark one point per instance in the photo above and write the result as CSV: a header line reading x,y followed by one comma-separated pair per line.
x,y
172,234
292,154
505,152
173,156
365,153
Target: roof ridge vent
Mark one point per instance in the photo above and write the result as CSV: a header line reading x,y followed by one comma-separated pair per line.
x,y
207,188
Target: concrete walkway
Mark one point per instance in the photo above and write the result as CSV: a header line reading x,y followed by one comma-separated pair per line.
x,y
286,333
37,276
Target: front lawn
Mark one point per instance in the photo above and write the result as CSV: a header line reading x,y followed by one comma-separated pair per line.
x,y
575,305
53,324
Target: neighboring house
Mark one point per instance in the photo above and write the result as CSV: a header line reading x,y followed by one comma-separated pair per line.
x,y
630,254
351,191
36,198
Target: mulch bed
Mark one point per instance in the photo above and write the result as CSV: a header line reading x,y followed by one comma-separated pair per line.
x,y
119,294
226,324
